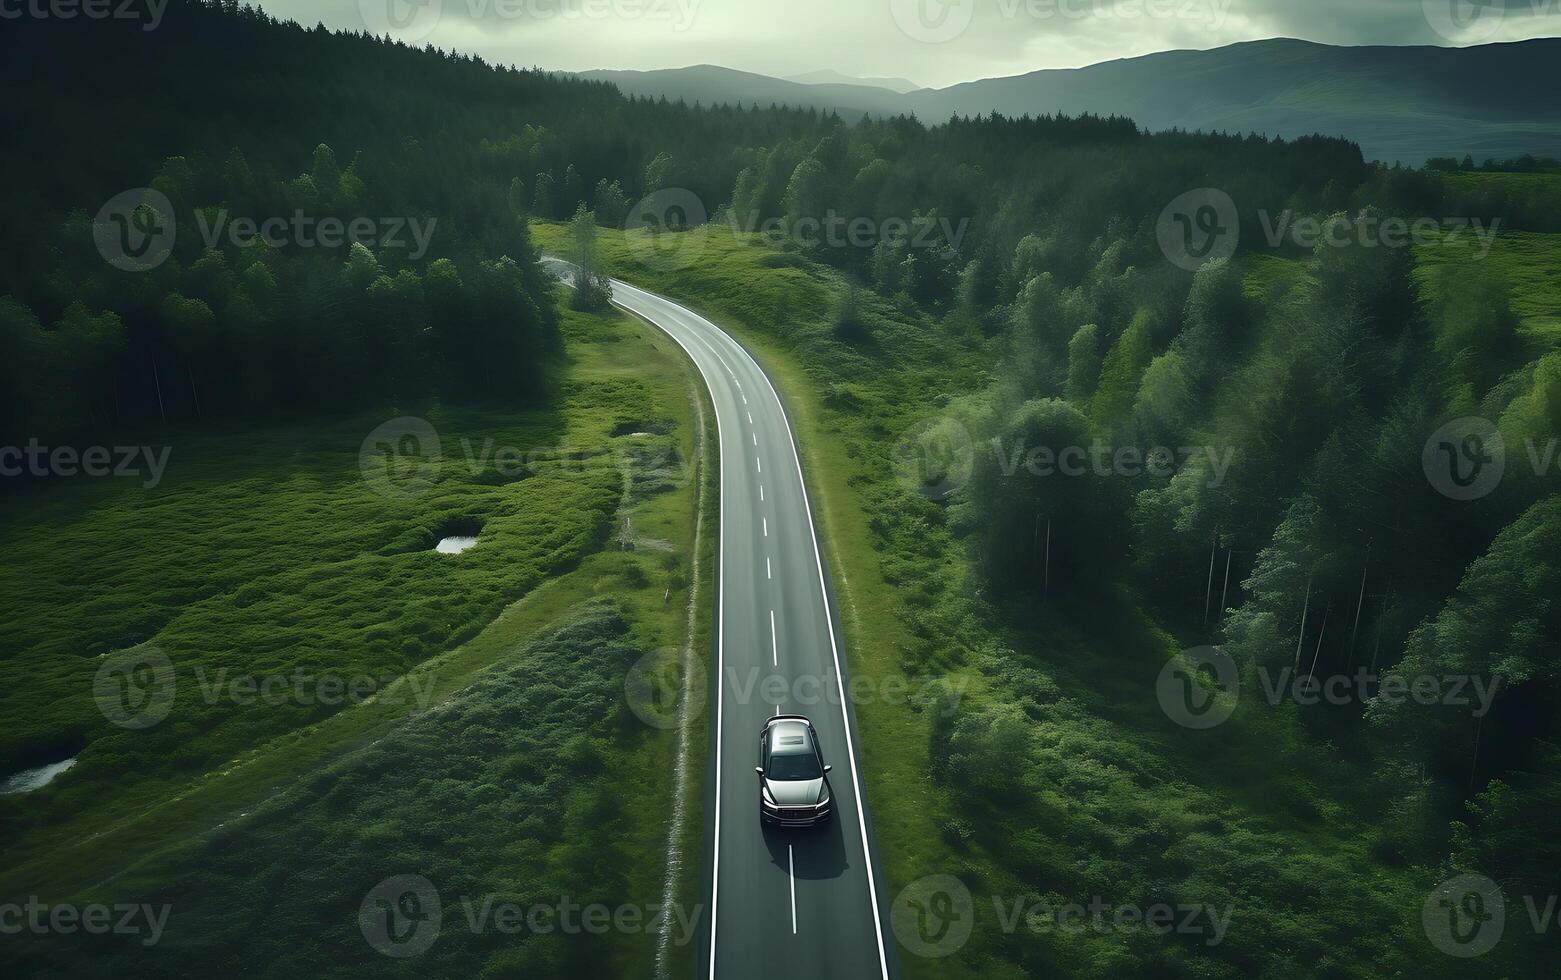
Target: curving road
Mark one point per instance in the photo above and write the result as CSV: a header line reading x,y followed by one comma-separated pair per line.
x,y
780,903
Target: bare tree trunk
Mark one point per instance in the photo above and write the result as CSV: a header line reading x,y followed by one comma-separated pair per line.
x,y
1381,618
1208,592
1046,582
1474,764
1319,652
1360,605
1225,589
1305,607
193,393
158,381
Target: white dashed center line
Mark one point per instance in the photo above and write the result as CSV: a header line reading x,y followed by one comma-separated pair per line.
x,y
774,642
767,573
761,493
759,463
766,521
791,872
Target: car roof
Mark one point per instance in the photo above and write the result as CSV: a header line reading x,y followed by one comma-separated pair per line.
x,y
791,737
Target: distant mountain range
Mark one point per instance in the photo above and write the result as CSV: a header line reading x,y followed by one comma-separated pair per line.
x,y
1398,103
827,77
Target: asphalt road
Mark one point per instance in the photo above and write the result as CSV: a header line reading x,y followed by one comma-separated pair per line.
x,y
800,903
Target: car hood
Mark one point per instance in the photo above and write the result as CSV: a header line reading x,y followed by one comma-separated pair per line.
x,y
794,792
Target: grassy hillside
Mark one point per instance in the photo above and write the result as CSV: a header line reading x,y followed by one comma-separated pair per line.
x,y
365,595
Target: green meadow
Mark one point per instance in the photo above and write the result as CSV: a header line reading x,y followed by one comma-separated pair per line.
x,y
295,555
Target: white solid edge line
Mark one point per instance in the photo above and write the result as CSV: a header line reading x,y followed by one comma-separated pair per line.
x,y
861,813
720,633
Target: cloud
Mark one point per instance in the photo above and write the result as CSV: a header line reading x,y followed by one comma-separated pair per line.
x,y
966,39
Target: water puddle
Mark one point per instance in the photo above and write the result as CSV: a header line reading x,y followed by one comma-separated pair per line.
x,y
454,545
30,779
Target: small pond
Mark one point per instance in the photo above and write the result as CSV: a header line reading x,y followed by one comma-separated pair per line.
x,y
31,779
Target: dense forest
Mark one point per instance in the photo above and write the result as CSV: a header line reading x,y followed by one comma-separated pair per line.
x,y
1319,375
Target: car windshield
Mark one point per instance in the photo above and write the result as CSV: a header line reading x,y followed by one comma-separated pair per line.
x,y
802,766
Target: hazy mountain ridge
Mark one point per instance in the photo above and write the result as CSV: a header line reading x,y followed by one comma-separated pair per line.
x,y
1399,103
829,76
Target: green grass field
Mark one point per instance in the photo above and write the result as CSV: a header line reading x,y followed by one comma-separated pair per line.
x,y
1529,263
269,553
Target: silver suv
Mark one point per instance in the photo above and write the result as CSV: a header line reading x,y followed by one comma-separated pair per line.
x,y
793,785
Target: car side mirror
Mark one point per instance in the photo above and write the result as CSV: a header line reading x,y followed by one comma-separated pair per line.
x,y
827,768
759,770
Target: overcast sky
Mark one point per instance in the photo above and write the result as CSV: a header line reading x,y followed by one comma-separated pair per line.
x,y
931,42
